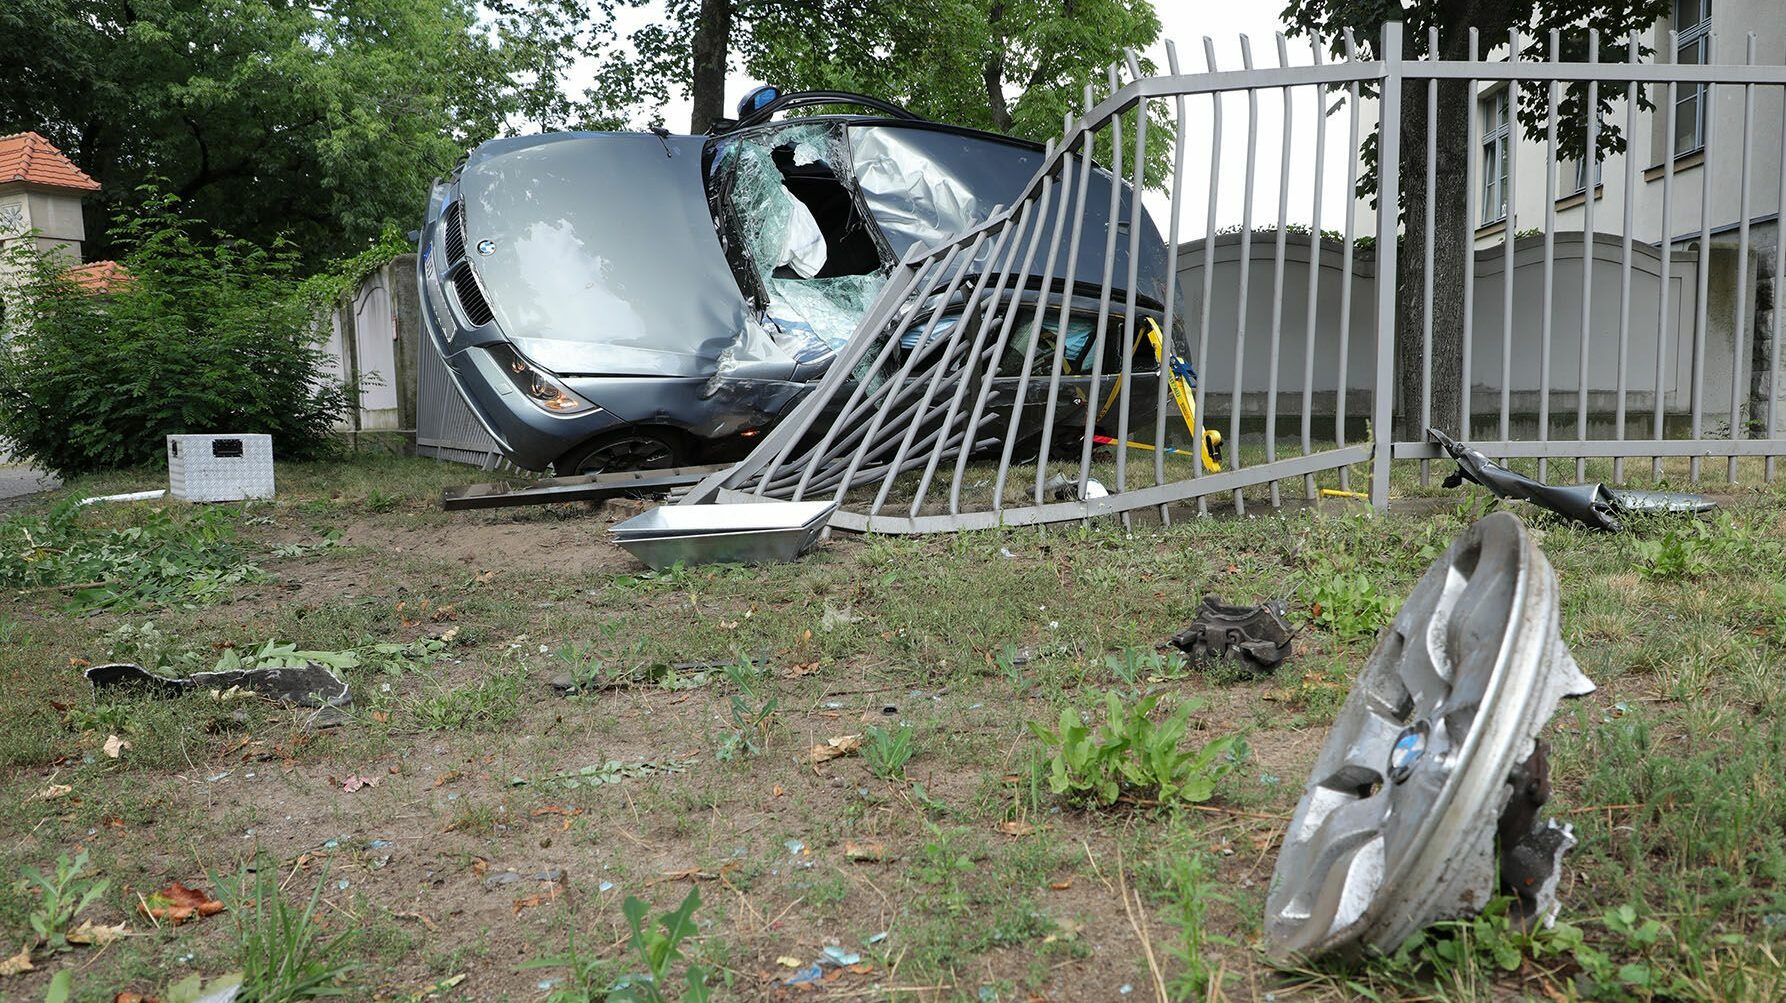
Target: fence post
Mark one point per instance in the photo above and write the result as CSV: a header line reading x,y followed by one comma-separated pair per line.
x,y
1389,157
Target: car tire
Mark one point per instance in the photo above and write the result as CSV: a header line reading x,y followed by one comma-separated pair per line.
x,y
626,449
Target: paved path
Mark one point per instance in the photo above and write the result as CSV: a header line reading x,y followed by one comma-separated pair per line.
x,y
18,480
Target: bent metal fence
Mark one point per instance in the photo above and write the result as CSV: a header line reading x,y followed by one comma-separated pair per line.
x,y
983,388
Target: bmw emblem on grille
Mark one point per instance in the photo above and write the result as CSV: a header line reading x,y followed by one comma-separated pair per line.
x,y
486,247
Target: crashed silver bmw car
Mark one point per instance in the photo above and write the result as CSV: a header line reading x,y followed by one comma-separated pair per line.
x,y
619,300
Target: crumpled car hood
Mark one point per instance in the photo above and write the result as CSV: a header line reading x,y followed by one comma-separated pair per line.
x,y
603,257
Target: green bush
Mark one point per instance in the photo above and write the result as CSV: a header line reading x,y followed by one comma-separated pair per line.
x,y
212,334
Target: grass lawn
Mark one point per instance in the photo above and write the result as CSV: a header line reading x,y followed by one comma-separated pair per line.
x,y
467,822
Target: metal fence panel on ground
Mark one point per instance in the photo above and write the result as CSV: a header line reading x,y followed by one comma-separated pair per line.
x,y
957,406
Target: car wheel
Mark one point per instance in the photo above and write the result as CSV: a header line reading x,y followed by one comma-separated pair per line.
x,y
627,449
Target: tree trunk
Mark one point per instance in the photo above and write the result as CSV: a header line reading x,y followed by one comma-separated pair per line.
x,y
1452,251
712,42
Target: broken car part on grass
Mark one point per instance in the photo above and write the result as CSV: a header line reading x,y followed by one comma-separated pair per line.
x,y
743,533
1434,760
309,685
610,301
1595,506
1257,637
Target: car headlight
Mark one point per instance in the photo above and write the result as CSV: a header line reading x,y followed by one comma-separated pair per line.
x,y
536,384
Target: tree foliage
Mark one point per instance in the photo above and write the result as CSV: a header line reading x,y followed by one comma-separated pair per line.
x,y
1012,66
211,334
321,120
1494,21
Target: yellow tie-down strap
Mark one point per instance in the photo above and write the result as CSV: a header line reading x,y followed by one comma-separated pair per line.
x,y
1180,383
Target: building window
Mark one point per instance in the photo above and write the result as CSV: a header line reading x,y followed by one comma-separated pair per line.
x,y
1693,46
1496,149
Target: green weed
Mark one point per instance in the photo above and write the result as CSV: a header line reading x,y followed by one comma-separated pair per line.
x,y
887,750
1350,606
489,703
1185,879
285,953
1129,754
752,713
62,897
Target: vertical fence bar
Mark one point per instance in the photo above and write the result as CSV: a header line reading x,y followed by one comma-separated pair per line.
x,y
1509,230
1737,431
1277,280
1087,148
1702,311
1010,237
1346,257
1101,334
1020,398
1128,324
1667,240
1314,275
1169,335
1388,205
1215,186
1590,172
898,382
1246,260
1547,323
1633,55
1474,141
1773,362
1426,293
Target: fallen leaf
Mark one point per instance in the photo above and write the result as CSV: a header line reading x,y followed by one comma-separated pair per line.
x,y
789,961
177,903
1012,827
448,777
835,747
541,898
135,998
1062,885
870,852
115,746
483,577
777,791
18,964
380,716
862,969
352,784
802,669
53,791
98,936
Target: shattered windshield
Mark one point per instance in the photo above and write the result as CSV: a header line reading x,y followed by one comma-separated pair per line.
x,y
797,238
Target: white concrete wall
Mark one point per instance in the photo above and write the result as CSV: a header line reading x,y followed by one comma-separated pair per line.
x,y
1489,328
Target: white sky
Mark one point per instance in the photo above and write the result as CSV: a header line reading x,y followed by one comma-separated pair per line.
x,y
1186,23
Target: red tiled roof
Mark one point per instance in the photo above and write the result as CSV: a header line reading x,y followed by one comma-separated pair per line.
x,y
100,276
32,159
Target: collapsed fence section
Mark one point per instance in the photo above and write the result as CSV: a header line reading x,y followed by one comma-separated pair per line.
x,y
1036,368
1067,359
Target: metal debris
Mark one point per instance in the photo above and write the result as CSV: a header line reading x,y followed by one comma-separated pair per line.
x,y
1257,637
1595,506
1435,754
